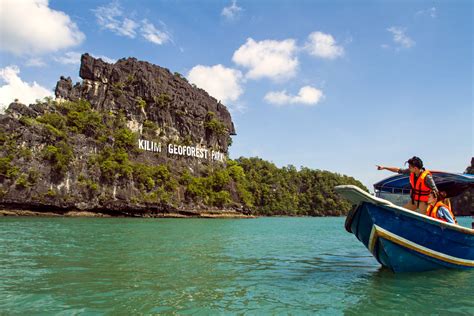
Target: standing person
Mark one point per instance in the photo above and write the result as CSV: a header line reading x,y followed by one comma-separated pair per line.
x,y
421,182
439,210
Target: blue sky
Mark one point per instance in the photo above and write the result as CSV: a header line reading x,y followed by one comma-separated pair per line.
x,y
333,85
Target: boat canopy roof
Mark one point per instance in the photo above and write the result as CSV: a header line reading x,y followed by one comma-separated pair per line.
x,y
452,183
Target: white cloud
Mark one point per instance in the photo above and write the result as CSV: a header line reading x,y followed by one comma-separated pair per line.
x,y
15,88
106,59
128,27
231,12
35,62
431,12
30,27
74,58
268,58
111,17
323,45
152,34
237,107
306,96
222,83
400,38
69,58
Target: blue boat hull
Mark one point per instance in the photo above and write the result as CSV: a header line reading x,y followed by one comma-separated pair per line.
x,y
404,241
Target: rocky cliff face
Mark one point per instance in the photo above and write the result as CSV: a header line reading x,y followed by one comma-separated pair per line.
x,y
147,92
102,145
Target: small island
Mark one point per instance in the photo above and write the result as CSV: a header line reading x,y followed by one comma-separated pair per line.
x,y
134,139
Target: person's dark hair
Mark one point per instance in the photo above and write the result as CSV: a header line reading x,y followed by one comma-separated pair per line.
x,y
441,196
415,162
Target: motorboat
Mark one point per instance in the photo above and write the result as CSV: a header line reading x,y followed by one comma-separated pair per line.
x,y
403,240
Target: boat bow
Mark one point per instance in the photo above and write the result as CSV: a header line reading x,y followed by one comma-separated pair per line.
x,y
403,240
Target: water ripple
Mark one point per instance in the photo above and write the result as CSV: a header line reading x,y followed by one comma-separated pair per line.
x,y
264,266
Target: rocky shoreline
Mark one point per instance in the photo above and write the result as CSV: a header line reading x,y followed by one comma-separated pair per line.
x,y
79,213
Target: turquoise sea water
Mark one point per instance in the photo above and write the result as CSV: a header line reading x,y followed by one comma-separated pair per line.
x,y
217,266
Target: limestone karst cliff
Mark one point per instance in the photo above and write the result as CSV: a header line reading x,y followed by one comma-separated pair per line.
x,y
90,148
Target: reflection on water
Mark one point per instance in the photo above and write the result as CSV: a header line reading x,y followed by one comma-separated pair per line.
x,y
265,265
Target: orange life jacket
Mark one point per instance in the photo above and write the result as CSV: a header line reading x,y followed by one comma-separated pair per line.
x,y
419,190
432,211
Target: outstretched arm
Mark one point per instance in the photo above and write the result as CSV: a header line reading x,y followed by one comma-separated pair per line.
x,y
393,169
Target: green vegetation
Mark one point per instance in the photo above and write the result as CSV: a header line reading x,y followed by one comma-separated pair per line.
x,y
159,195
114,164
59,156
141,103
3,138
22,182
125,138
214,124
71,117
27,180
27,121
85,122
149,128
213,189
49,100
150,177
177,74
25,152
10,150
82,119
7,169
163,100
187,140
130,79
269,190
55,120
51,193
258,185
117,89
119,85
55,123
88,183
33,176
291,192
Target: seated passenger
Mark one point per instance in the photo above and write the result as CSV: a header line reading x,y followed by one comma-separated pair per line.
x,y
439,210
